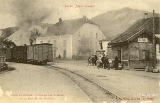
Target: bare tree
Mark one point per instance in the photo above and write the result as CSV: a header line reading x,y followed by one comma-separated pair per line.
x,y
84,47
33,35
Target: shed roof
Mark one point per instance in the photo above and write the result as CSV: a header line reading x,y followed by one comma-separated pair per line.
x,y
139,27
68,26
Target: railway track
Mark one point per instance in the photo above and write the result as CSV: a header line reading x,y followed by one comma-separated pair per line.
x,y
93,90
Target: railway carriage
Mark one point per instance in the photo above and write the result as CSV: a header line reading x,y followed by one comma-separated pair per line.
x,y
19,54
35,54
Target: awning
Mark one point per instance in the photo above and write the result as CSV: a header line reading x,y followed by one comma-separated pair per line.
x,y
157,35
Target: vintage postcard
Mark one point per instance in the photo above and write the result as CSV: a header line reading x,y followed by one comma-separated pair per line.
x,y
79,51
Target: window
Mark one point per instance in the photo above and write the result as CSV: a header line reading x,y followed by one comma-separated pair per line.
x,y
96,35
41,42
91,34
79,42
64,43
96,45
91,43
54,43
119,55
146,54
54,54
48,41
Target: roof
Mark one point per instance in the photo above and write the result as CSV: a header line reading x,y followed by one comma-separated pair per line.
x,y
7,43
110,38
20,37
68,26
7,32
139,27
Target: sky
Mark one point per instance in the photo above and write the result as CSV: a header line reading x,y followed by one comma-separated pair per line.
x,y
66,9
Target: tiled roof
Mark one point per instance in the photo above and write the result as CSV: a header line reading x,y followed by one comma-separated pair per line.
x,y
7,32
139,27
110,38
68,26
20,37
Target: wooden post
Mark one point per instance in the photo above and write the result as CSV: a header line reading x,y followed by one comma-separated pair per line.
x,y
128,56
154,45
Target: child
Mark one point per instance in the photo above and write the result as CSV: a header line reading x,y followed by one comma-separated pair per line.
x,y
120,66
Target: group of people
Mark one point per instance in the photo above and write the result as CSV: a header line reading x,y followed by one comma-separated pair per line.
x,y
102,61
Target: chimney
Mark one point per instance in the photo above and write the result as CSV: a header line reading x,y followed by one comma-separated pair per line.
x,y
153,13
60,21
31,42
145,15
84,18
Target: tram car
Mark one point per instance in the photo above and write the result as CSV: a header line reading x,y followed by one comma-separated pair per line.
x,y
8,54
35,54
3,65
19,54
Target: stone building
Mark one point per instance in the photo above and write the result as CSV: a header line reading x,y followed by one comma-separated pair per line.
x,y
68,36
134,47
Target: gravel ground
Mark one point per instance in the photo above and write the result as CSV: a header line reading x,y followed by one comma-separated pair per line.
x,y
38,84
94,92
125,83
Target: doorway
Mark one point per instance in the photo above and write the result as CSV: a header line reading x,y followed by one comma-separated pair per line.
x,y
119,55
54,53
64,53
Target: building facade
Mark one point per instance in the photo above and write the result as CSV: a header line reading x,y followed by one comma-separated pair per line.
x,y
69,36
61,45
134,47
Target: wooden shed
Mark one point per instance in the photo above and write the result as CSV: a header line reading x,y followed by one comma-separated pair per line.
x,y
134,47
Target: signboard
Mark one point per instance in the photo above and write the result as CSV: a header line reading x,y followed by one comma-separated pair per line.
x,y
142,40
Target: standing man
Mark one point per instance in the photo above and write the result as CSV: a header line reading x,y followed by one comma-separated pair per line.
x,y
95,60
103,61
116,62
106,62
99,62
110,62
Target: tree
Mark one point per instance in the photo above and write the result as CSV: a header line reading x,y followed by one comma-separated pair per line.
x,y
34,34
84,46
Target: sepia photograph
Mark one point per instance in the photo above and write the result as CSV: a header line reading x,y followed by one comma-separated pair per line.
x,y
79,51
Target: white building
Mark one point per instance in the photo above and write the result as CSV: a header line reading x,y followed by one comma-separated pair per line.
x,y
66,36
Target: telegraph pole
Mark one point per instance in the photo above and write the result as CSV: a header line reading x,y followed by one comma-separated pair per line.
x,y
154,45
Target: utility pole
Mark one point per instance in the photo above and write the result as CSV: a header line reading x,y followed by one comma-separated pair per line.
x,y
154,45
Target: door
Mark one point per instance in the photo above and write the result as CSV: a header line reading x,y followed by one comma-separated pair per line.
x,y
54,53
119,55
64,53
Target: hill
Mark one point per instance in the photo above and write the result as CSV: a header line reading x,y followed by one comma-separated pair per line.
x,y
117,21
